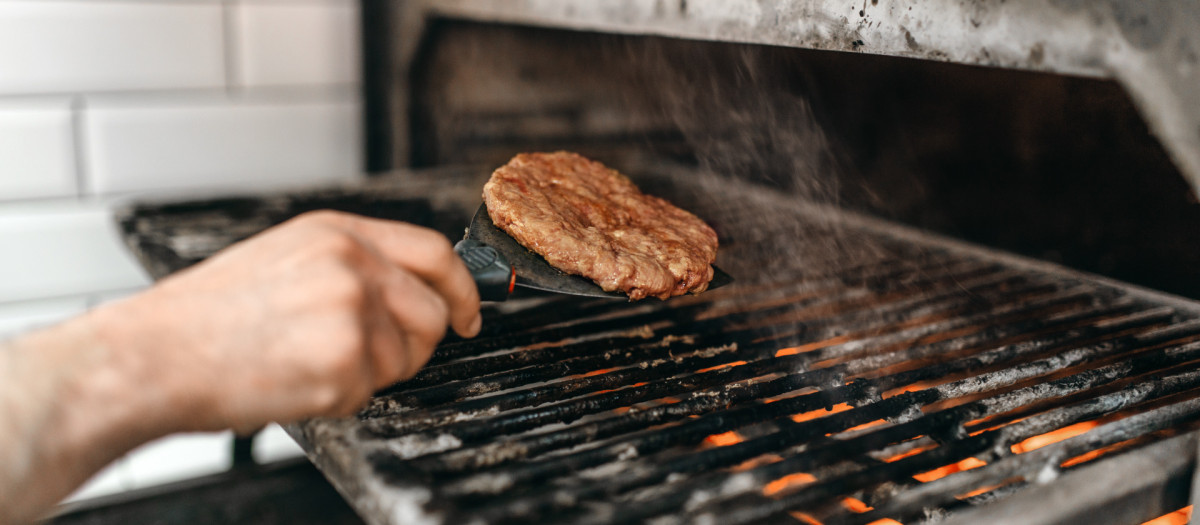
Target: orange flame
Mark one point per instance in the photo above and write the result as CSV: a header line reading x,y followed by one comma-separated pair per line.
x,y
1051,438
866,425
765,459
820,412
788,481
939,473
723,439
811,346
910,453
1084,458
804,518
856,505
597,372
1179,517
718,367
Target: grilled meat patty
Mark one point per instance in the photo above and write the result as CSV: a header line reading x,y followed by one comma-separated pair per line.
x,y
589,220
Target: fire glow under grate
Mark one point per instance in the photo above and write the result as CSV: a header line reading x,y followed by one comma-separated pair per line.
x,y
909,383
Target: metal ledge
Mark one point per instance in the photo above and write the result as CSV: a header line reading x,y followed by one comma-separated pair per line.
x,y
1130,488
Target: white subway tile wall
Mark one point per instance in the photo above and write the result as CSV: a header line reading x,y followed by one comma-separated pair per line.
x,y
172,458
55,47
170,145
105,99
62,249
274,444
296,43
37,149
18,317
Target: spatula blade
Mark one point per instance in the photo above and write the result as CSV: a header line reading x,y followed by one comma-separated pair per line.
x,y
534,272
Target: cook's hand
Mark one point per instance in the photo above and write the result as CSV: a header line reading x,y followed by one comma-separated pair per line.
x,y
307,319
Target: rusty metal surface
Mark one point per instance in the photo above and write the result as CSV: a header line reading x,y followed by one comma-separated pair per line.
x,y
1151,47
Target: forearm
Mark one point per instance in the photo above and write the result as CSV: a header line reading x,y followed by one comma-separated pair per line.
x,y
305,320
69,404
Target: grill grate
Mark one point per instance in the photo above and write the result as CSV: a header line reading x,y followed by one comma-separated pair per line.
x,y
906,387
887,375
974,360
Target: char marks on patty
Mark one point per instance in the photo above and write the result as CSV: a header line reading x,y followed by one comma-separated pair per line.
x,y
587,219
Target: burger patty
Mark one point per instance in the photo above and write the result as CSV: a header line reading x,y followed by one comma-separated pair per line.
x,y
589,220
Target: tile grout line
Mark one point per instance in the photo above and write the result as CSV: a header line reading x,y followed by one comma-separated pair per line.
x,y
79,148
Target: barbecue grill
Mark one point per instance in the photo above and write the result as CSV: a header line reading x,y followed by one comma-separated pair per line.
x,y
860,370
925,378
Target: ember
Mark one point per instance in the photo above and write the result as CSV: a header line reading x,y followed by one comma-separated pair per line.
x,y
801,349
821,412
939,473
723,439
789,481
1050,438
720,366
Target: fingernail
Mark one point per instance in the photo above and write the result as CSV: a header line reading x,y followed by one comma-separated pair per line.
x,y
476,326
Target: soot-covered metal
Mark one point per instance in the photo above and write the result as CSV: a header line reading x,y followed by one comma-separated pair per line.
x,y
857,371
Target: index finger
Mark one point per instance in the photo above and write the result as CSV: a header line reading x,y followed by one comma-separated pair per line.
x,y
429,255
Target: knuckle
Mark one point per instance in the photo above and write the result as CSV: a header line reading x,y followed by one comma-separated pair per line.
x,y
338,244
437,250
345,288
341,369
353,344
429,327
326,399
324,217
340,360
439,310
442,251
352,399
427,336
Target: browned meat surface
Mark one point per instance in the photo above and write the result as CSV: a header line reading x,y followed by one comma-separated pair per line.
x,y
589,220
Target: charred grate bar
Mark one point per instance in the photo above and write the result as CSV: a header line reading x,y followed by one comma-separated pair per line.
x,y
882,375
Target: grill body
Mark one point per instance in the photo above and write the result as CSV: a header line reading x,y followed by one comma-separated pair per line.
x,y
857,371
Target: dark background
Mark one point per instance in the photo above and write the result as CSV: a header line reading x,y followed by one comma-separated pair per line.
x,y
1056,167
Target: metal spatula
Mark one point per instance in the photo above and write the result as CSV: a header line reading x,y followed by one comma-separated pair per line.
x,y
498,263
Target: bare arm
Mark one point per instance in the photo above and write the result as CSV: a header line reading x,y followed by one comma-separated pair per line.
x,y
305,320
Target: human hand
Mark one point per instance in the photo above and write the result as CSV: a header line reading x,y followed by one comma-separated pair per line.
x,y
306,319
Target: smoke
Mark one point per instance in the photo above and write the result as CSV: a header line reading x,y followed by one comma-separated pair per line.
x,y
742,120
768,177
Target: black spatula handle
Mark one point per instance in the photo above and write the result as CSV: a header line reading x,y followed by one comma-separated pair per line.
x,y
493,275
